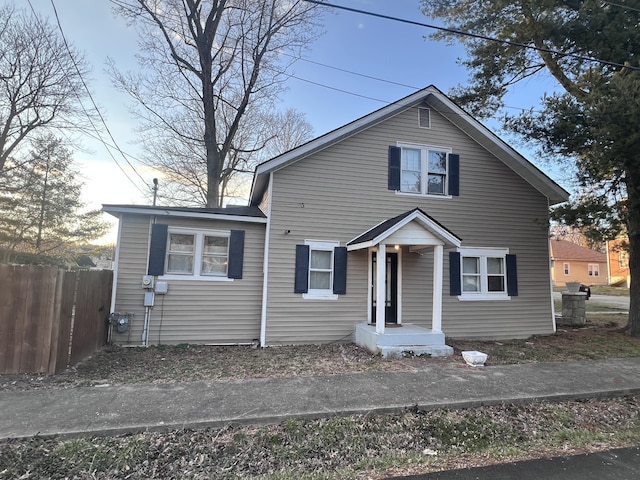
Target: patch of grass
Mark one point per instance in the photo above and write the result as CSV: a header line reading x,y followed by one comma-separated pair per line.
x,y
599,339
333,448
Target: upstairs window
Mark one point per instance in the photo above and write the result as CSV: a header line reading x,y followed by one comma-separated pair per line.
x,y
423,170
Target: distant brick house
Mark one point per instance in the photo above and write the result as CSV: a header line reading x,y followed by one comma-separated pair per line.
x,y
618,262
572,263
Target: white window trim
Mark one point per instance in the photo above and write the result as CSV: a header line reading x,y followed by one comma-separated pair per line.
x,y
593,269
484,253
566,269
424,173
321,294
197,256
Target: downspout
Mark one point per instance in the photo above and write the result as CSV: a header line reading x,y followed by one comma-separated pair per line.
x,y
265,267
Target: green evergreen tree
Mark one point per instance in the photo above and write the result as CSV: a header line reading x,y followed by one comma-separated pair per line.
x,y
592,49
41,212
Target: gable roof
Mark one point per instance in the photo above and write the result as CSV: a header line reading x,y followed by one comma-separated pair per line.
x,y
565,250
233,213
447,108
375,235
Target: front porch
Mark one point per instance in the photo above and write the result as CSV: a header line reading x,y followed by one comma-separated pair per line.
x,y
397,341
384,333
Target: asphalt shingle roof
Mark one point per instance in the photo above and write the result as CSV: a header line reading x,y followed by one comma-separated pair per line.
x,y
565,250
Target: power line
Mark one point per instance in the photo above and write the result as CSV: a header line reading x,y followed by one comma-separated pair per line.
x,y
371,77
474,35
339,89
95,106
99,137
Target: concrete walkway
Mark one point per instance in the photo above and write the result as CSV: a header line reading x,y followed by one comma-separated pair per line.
x,y
118,409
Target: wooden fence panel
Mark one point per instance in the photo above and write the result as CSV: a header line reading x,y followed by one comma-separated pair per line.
x,y
93,298
7,319
36,311
61,336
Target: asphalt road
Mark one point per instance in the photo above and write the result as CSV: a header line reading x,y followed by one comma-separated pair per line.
x,y
608,300
621,464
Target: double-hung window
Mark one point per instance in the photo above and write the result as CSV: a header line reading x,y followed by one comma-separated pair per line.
x,y
482,274
197,253
593,269
321,269
424,170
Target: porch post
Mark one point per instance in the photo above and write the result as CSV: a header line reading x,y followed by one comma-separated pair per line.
x,y
436,317
381,265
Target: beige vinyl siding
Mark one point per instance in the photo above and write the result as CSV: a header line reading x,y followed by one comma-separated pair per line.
x,y
417,287
193,311
340,192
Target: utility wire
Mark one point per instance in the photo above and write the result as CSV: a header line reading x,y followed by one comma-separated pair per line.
x,y
371,77
339,89
99,136
95,106
474,35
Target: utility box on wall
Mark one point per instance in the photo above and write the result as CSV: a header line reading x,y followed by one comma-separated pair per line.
x,y
162,288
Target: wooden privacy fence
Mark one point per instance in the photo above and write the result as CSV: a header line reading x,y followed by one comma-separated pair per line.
x,y
50,318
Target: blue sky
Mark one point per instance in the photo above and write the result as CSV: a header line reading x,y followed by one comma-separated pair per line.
x,y
396,52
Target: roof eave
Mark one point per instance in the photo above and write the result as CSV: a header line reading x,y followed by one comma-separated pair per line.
x,y
499,148
118,210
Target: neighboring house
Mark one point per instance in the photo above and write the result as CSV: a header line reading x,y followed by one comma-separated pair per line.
x,y
618,262
415,215
571,262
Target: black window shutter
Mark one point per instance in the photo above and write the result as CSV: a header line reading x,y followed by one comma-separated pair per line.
x,y
512,276
454,174
394,167
157,249
455,284
301,284
236,254
340,270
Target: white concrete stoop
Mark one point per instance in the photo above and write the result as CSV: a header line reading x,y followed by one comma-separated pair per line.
x,y
397,341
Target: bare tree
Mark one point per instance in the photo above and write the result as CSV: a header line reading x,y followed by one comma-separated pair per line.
x,y
215,62
184,165
40,80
